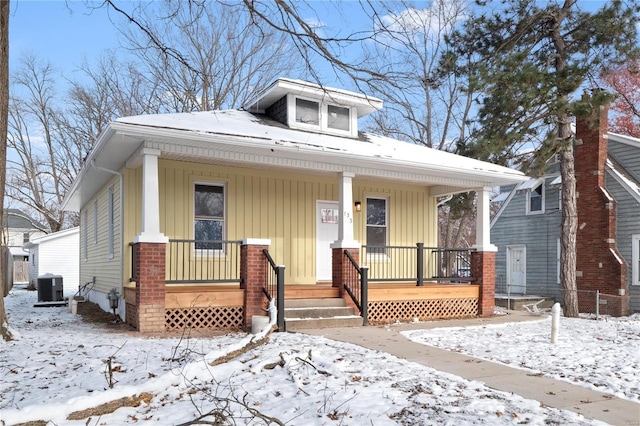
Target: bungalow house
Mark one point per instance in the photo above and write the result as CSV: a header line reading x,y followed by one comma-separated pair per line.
x,y
56,254
526,228
188,217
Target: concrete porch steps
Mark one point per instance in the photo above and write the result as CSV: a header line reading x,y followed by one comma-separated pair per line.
x,y
300,314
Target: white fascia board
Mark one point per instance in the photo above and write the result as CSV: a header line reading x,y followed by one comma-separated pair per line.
x,y
503,206
629,186
625,139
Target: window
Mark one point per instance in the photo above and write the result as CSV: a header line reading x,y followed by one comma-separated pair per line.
x,y
337,118
95,222
315,115
635,256
111,221
85,231
535,200
307,112
209,216
25,237
376,223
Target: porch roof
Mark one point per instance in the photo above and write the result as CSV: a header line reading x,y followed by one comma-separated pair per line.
x,y
251,140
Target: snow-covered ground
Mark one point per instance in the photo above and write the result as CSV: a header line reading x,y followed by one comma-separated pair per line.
x,y
602,355
58,365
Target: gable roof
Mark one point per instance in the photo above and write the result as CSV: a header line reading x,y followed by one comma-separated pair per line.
x,y
17,219
51,237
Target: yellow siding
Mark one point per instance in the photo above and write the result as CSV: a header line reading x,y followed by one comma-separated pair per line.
x,y
279,206
96,261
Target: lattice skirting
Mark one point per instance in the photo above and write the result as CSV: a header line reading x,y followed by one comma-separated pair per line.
x,y
212,317
385,312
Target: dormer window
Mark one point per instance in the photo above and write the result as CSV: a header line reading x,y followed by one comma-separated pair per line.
x,y
337,118
307,112
311,107
323,117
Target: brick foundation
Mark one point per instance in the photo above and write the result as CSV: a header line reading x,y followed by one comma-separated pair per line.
x,y
148,313
599,265
483,268
254,269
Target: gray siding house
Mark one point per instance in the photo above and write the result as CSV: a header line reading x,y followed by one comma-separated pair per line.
x,y
526,227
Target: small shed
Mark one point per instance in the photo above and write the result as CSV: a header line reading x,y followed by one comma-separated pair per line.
x,y
57,254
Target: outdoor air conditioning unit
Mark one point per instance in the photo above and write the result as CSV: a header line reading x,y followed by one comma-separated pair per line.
x,y
50,288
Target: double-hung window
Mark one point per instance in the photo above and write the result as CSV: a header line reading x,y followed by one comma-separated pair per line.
x,y
535,200
376,224
209,217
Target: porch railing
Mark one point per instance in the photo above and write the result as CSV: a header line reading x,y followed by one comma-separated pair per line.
x,y
417,263
203,261
357,286
275,287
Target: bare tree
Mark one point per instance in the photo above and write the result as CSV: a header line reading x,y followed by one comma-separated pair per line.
x,y
222,59
42,166
5,332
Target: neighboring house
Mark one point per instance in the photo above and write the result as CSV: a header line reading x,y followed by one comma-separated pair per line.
x,y
19,228
56,254
176,211
526,228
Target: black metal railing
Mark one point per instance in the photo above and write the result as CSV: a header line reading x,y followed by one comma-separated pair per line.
x,y
357,286
417,263
203,261
134,263
275,287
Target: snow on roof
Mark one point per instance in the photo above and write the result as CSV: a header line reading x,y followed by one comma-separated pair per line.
x,y
235,123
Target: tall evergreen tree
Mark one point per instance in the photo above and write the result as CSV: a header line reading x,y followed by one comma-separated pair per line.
x,y
531,59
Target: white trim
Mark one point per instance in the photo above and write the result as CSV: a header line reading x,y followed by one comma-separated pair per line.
x,y
95,221
483,224
628,185
542,201
85,236
635,259
504,205
111,223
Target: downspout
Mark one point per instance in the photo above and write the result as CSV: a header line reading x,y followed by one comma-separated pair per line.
x,y
121,181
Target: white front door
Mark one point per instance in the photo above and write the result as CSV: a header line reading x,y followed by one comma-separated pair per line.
x,y
327,219
517,269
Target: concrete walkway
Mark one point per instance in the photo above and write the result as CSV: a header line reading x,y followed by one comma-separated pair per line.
x,y
550,392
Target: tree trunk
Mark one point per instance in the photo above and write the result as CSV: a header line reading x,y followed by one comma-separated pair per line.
x,y
4,116
569,224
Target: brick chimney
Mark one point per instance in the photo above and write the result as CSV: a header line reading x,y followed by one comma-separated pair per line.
x,y
599,264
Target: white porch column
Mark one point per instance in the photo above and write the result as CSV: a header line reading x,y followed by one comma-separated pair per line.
x,y
483,223
150,199
345,226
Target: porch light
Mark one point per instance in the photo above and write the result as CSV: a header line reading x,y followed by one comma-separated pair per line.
x,y
358,206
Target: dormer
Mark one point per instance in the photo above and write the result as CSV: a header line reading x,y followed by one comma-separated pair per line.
x,y
309,106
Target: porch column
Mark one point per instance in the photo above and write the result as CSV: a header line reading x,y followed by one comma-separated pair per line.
x,y
150,199
254,270
345,225
148,314
345,234
483,260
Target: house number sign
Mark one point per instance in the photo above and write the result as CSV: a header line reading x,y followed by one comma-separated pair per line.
x,y
330,216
